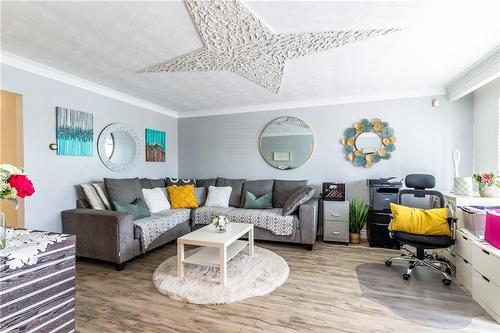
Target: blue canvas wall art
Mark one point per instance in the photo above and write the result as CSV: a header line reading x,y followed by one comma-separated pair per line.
x,y
155,145
74,132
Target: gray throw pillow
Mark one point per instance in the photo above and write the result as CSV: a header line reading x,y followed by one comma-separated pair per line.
x,y
137,209
283,189
201,195
301,196
123,190
179,181
257,188
236,185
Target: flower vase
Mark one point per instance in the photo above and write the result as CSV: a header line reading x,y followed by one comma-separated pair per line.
x,y
3,231
220,228
488,191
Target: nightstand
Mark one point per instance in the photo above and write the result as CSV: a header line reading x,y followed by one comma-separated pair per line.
x,y
335,216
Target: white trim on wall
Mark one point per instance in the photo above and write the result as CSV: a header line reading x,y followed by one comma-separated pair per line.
x,y
55,74
477,75
315,102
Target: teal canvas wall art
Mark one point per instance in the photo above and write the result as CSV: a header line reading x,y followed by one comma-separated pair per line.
x,y
74,132
156,145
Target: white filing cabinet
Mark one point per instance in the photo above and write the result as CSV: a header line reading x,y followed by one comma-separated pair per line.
x,y
336,221
478,270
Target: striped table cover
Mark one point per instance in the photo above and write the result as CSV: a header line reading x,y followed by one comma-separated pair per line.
x,y
40,297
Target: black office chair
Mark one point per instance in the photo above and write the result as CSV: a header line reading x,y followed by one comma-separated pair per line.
x,y
417,185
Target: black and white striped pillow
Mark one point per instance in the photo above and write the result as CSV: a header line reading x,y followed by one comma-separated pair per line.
x,y
95,193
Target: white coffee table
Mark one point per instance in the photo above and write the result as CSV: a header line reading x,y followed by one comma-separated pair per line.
x,y
218,247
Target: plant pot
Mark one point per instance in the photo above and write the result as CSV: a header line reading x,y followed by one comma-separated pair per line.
x,y
354,238
488,191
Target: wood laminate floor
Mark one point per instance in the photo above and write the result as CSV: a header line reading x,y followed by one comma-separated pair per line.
x,y
322,294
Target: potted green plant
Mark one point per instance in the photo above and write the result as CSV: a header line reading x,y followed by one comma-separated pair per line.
x,y
358,212
489,183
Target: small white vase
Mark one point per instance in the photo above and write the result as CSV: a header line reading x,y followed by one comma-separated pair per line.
x,y
488,191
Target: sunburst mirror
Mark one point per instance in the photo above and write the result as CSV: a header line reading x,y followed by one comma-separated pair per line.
x,y
368,142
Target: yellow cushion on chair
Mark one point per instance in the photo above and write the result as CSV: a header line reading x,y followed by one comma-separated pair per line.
x,y
418,221
182,196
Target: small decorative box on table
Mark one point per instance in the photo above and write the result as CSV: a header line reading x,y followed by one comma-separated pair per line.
x,y
37,282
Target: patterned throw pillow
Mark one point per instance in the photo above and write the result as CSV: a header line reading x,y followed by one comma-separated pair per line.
x,y
179,181
182,196
263,202
95,193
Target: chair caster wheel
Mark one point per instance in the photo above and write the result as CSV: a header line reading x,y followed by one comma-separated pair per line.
x,y
406,276
388,263
447,270
446,282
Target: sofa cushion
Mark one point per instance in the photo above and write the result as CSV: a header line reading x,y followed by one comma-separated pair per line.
x,y
298,198
236,185
179,181
269,219
257,188
283,189
123,190
137,209
150,183
205,182
149,228
263,202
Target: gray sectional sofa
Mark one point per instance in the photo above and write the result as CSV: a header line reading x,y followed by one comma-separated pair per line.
x,y
115,237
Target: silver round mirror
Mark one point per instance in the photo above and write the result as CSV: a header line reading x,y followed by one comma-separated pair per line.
x,y
118,147
368,142
286,143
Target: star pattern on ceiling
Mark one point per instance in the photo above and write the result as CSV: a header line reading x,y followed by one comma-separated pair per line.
x,y
237,41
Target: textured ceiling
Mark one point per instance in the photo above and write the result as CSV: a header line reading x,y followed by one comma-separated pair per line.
x,y
109,42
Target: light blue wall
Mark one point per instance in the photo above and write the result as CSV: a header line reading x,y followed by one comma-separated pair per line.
x,y
55,176
426,137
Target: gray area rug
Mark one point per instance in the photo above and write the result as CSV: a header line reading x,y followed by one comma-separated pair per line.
x,y
423,299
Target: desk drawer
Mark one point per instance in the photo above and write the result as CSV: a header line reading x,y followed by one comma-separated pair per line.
x,y
336,211
486,263
464,272
486,292
336,231
463,246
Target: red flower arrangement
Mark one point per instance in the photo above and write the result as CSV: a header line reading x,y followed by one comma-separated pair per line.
x,y
23,185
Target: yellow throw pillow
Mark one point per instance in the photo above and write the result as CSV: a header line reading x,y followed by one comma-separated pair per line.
x,y
430,222
182,196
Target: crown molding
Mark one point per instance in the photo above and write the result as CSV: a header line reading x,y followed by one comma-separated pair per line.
x,y
34,67
315,102
475,76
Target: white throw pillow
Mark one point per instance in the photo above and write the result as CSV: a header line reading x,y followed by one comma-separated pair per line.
x,y
155,199
218,196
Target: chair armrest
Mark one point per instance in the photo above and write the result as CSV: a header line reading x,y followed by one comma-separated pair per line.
x,y
100,234
308,219
452,222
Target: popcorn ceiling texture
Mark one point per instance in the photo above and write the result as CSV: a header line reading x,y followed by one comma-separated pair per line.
x,y
237,41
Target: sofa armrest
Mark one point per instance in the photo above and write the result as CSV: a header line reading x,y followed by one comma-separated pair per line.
x,y
308,219
100,234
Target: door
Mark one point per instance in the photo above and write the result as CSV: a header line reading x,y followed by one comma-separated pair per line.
x,y
11,148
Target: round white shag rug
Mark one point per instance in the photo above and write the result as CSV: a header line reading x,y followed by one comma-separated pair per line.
x,y
247,276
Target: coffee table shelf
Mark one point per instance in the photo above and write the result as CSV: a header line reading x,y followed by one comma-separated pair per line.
x,y
216,249
210,256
